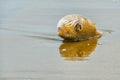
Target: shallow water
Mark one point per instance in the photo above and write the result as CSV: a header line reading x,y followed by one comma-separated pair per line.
x,y
31,50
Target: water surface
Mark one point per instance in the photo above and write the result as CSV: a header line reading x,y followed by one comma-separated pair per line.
x,y
31,50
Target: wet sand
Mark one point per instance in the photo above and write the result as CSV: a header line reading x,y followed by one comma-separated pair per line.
x,y
31,50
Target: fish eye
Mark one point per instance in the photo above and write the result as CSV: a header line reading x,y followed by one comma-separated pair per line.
x,y
78,27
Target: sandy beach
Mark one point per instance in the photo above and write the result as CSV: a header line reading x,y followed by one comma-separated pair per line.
x,y
31,50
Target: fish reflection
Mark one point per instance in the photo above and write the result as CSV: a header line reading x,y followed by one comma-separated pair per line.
x,y
77,50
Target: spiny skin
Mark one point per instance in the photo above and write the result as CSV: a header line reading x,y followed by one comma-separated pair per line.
x,y
66,28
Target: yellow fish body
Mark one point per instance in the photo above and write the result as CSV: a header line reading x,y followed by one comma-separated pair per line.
x,y
75,27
